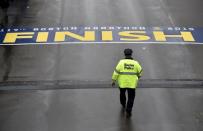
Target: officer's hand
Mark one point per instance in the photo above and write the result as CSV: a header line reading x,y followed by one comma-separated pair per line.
x,y
113,84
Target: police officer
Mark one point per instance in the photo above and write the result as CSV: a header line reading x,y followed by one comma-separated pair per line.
x,y
127,73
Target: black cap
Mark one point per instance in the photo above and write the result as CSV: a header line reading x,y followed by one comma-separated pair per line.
x,y
128,52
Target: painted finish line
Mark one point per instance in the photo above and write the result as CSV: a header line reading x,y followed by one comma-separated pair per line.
x,y
100,35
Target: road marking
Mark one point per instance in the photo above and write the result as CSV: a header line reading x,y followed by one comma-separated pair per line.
x,y
73,43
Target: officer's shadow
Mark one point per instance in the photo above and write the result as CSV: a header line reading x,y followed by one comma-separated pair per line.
x,y
125,123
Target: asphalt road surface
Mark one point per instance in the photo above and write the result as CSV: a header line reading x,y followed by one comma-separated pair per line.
x,y
85,66
94,63
99,110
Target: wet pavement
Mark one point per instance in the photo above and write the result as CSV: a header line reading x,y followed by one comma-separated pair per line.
x,y
90,66
99,110
107,12
80,63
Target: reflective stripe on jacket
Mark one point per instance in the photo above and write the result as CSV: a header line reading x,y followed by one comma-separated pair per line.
x,y
127,73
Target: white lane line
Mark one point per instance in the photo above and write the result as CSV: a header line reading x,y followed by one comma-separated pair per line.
x,y
73,43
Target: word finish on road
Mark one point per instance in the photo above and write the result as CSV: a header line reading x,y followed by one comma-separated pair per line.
x,y
100,34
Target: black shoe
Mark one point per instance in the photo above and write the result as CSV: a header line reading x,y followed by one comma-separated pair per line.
x,y
123,109
128,114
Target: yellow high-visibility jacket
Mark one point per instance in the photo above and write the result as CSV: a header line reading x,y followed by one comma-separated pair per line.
x,y
127,73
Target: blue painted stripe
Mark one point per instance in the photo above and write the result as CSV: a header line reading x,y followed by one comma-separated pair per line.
x,y
120,34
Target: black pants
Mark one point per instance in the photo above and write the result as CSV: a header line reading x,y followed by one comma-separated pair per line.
x,y
131,97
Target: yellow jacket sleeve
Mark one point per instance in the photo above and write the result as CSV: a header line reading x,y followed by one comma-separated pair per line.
x,y
116,72
139,70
